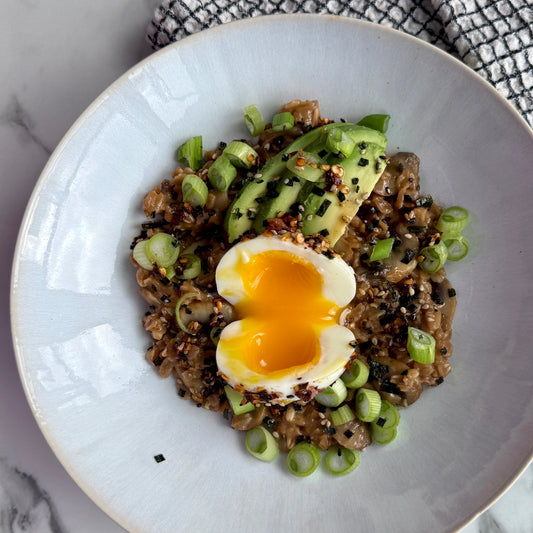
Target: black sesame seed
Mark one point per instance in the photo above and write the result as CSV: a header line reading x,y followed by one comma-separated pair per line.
x,y
387,319
387,386
427,202
323,208
348,434
452,293
355,181
363,162
408,257
416,229
269,422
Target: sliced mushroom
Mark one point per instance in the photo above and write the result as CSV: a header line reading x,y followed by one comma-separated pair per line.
x,y
353,435
446,294
401,168
249,420
402,260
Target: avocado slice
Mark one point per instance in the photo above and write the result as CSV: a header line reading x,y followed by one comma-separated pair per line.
x,y
288,189
328,213
242,213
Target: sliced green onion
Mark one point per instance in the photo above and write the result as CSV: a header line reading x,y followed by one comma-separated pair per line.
x,y
179,303
235,400
434,257
221,173
376,122
190,153
214,334
342,415
333,395
388,417
253,120
170,272
420,345
383,436
283,121
357,375
261,444
162,249
240,154
453,219
457,245
338,141
367,404
303,459
194,190
192,268
341,461
307,166
382,249
139,254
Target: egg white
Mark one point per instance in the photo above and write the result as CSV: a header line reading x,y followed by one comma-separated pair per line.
x,y
338,277
334,340
335,352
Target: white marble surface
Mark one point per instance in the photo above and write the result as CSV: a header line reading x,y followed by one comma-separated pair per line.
x,y
55,58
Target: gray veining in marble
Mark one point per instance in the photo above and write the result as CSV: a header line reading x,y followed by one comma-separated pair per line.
x,y
24,505
51,67
16,117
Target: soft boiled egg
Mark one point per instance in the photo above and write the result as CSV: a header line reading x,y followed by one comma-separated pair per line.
x,y
289,299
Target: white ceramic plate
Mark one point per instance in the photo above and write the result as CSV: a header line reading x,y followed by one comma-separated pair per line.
x,y
77,317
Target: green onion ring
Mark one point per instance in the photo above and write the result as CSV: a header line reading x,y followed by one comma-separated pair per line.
x,y
303,459
179,303
420,345
341,461
261,444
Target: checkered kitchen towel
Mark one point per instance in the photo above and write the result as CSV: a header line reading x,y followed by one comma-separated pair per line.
x,y
494,37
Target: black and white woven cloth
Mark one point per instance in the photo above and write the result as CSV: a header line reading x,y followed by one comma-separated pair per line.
x,y
494,37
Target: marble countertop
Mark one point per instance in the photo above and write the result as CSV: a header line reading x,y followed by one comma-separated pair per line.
x,y
55,58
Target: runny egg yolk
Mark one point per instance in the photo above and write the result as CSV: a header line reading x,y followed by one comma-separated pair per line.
x,y
283,313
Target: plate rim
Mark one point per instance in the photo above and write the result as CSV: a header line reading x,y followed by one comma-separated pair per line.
x,y
45,175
